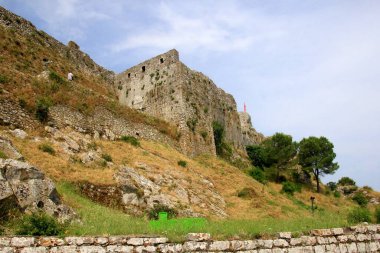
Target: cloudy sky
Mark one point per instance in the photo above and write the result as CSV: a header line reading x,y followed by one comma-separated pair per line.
x,y
306,68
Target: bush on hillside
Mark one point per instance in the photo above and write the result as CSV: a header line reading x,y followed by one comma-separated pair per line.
x,y
42,110
3,155
289,188
377,215
360,198
246,193
182,163
359,215
344,181
153,213
131,140
337,194
107,157
46,148
53,76
258,175
332,186
39,224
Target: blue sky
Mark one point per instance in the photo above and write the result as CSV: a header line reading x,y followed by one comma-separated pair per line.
x,y
306,68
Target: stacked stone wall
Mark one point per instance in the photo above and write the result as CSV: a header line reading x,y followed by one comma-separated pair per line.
x,y
339,240
166,88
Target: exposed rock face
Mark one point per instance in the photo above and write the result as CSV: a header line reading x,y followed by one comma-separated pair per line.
x,y
137,192
164,87
250,135
26,187
8,150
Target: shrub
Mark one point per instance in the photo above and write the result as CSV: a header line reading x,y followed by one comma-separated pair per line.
x,y
46,148
182,163
337,194
131,140
153,213
56,78
349,189
3,155
42,111
107,157
358,215
22,103
3,79
39,224
360,198
247,193
332,186
289,188
346,181
258,175
377,215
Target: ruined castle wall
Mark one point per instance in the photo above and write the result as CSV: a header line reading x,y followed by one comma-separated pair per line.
x,y
166,88
342,240
250,135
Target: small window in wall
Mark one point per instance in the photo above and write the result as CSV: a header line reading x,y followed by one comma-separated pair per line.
x,y
161,60
129,75
143,68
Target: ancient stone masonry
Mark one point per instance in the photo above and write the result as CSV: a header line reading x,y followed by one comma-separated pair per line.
x,y
250,135
337,240
166,88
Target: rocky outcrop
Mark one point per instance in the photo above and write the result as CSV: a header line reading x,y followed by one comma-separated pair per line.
x,y
250,135
336,240
27,188
142,188
8,150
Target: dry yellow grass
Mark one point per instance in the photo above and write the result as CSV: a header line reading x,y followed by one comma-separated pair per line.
x,y
228,180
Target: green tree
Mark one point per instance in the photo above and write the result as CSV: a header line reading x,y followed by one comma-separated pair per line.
x,y
316,155
257,155
279,150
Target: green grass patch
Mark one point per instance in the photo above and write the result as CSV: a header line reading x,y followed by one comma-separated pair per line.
x,y
107,157
100,220
3,155
182,163
131,140
46,148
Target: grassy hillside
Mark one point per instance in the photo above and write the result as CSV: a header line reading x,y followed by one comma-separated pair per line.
x,y
264,202
33,67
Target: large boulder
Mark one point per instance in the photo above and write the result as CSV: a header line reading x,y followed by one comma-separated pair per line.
x,y
8,150
27,188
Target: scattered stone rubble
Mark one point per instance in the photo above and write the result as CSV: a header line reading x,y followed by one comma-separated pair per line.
x,y
338,240
25,187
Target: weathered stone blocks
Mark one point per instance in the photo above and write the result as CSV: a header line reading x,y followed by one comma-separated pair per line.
x,y
351,241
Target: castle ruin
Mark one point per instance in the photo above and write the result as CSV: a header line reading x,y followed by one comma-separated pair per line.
x,y
166,88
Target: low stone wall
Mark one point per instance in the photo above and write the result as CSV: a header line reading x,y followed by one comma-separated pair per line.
x,y
354,239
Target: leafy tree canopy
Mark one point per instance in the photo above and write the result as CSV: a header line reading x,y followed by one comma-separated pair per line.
x,y
316,155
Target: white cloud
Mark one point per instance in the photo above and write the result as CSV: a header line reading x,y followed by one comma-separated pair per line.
x,y
223,27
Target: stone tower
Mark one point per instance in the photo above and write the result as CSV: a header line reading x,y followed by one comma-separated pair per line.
x,y
166,88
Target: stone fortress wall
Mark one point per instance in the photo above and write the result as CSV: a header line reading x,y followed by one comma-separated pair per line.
x,y
166,88
338,240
